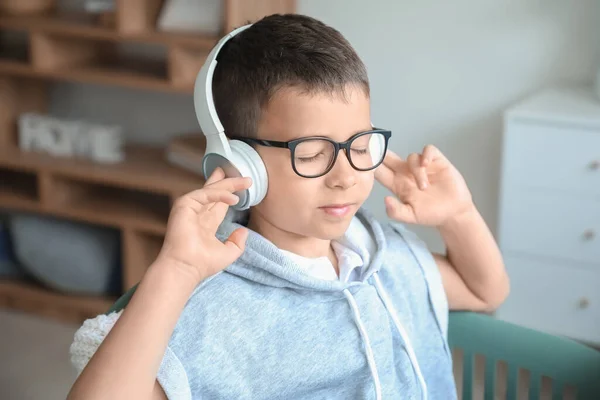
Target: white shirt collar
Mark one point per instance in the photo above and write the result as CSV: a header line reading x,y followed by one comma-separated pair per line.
x,y
353,251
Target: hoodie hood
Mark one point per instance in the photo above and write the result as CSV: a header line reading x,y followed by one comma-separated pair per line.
x,y
264,263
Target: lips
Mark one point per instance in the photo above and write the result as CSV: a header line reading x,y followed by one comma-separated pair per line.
x,y
337,205
337,210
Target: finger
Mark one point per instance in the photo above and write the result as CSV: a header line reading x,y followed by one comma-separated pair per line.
x,y
217,175
197,199
214,195
419,172
200,199
393,160
236,243
399,211
233,184
230,185
235,187
430,154
385,176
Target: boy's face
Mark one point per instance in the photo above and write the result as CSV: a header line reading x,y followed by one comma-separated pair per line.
x,y
319,207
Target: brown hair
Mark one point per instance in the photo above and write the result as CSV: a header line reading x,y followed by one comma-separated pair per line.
x,y
280,51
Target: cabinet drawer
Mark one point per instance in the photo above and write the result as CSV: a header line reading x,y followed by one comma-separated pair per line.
x,y
548,156
553,298
542,223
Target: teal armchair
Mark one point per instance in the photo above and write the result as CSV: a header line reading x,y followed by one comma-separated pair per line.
x,y
563,361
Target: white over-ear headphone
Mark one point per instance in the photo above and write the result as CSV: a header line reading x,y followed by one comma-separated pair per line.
x,y
235,157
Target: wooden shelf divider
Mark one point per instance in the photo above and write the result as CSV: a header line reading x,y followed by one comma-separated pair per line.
x,y
137,16
18,96
140,251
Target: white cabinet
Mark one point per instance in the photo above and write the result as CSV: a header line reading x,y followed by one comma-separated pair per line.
x,y
549,213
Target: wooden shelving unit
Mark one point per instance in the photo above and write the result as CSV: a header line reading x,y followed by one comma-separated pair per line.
x,y
75,47
134,196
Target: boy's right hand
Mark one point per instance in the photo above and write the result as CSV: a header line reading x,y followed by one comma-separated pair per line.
x,y
190,243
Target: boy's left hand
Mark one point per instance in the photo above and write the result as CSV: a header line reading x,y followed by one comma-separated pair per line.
x,y
429,189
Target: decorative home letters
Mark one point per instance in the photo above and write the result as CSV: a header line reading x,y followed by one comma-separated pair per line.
x,y
66,138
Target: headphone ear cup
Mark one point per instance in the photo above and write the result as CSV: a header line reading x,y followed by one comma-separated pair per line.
x,y
249,164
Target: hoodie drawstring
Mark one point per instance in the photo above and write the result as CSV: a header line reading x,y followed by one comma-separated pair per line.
x,y
409,348
363,333
365,337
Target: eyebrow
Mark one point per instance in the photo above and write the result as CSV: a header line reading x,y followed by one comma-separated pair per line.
x,y
325,135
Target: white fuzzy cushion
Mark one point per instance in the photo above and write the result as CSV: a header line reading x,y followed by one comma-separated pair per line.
x,y
89,337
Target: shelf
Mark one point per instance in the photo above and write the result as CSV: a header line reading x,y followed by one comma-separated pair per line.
x,y
83,26
108,205
97,75
31,297
74,48
131,68
145,168
135,73
136,193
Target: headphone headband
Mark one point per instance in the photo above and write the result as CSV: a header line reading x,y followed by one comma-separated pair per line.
x,y
216,141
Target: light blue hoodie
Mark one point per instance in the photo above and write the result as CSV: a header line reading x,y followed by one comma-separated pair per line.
x,y
264,329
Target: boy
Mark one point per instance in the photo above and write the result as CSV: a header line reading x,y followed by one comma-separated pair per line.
x,y
308,297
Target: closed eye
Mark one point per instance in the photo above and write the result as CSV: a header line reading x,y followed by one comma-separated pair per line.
x,y
309,159
360,151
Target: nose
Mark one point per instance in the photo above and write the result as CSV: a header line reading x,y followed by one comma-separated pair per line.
x,y
342,175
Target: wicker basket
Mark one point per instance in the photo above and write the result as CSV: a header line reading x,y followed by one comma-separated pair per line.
x,y
21,7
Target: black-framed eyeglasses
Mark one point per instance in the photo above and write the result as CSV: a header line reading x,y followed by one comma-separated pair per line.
x,y
314,156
